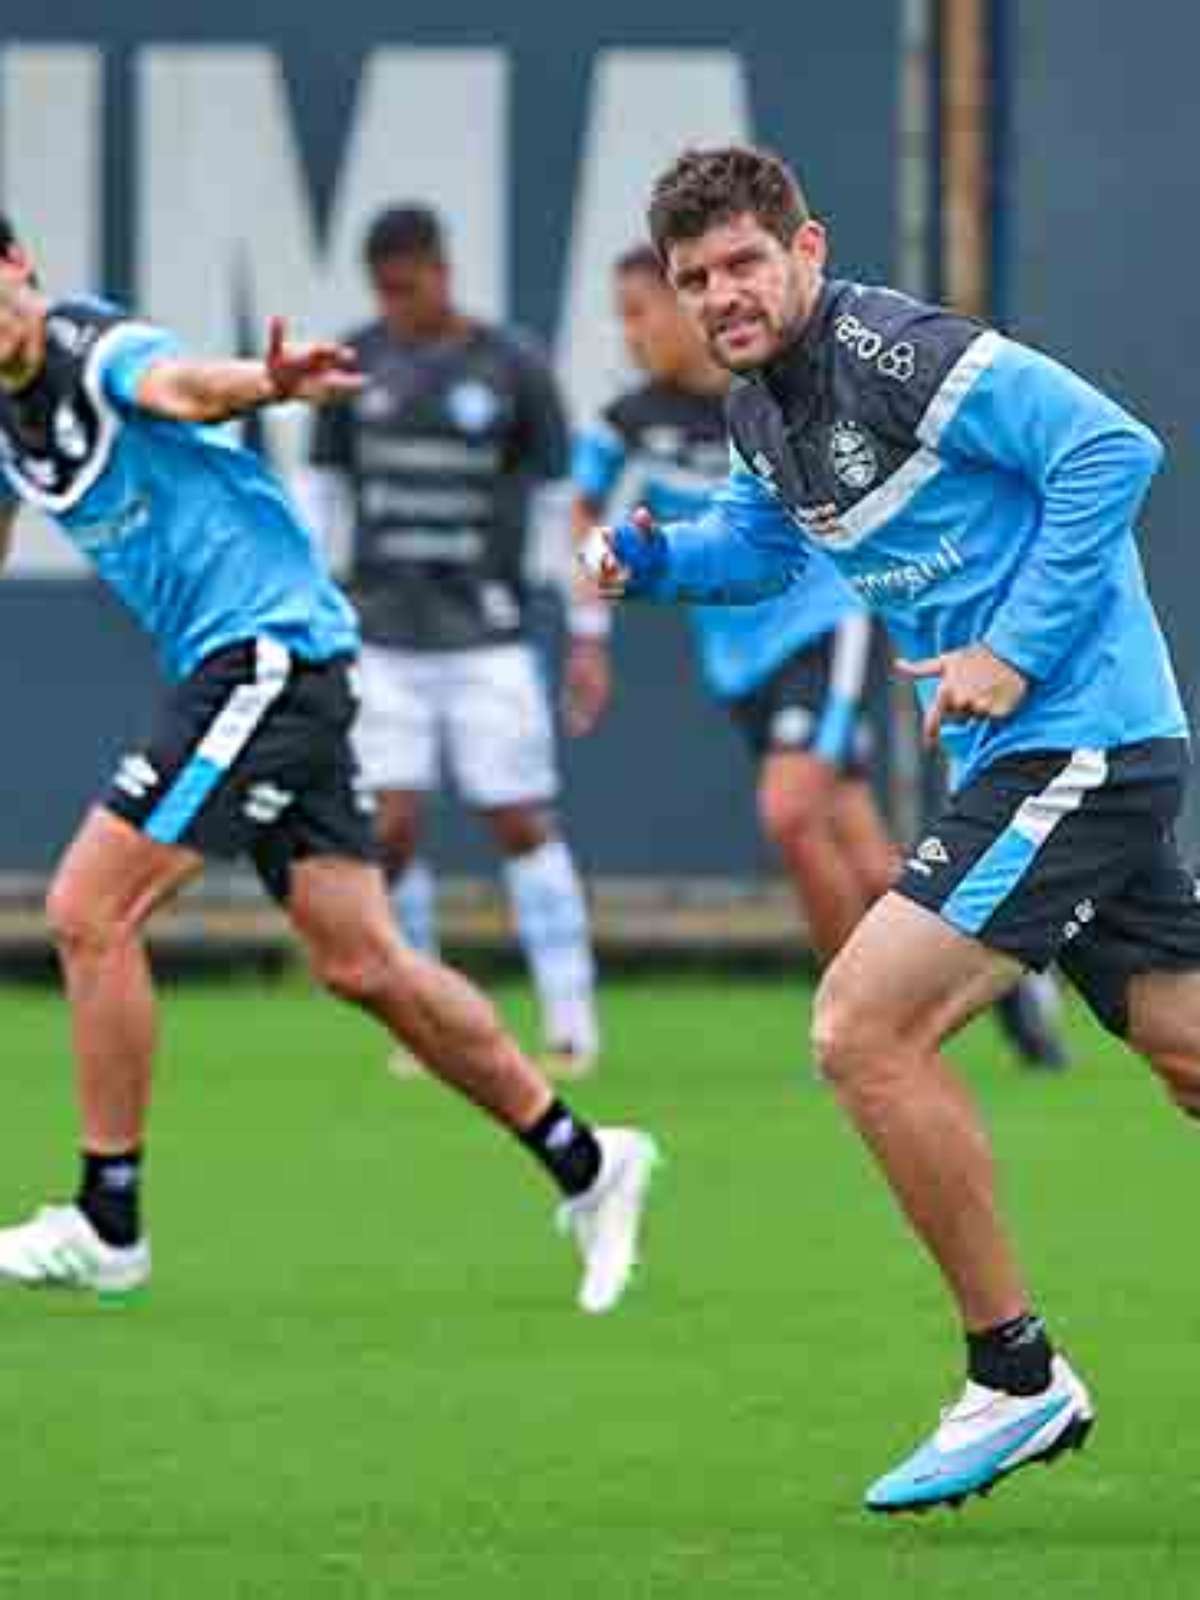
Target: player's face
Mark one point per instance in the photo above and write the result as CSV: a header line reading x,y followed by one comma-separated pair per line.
x,y
747,293
658,336
20,319
413,294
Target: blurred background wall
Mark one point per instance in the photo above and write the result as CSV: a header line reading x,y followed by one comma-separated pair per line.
x,y
218,166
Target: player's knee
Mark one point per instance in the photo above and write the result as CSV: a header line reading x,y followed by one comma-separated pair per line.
x,y
77,924
519,830
789,815
846,1038
359,972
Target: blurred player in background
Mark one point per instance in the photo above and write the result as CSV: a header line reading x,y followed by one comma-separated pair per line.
x,y
104,426
436,464
791,671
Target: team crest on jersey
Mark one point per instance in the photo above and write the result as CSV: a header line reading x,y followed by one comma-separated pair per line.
x,y
472,405
853,456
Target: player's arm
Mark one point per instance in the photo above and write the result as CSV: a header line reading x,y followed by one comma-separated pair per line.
x,y
598,457
151,376
742,549
1091,464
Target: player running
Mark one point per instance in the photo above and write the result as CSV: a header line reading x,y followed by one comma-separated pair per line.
x,y
982,498
791,671
438,461
106,425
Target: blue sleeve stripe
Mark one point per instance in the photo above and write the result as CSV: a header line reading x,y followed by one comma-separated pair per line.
x,y
121,356
597,458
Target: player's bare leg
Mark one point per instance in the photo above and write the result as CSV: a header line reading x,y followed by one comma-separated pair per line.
x,y
340,911
903,983
109,882
399,815
866,845
550,911
1164,1026
339,908
107,885
796,796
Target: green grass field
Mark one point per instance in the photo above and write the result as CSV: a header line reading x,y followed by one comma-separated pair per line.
x,y
359,1372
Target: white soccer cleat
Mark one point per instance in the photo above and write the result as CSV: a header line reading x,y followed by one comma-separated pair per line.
x,y
59,1248
404,1065
983,1437
605,1220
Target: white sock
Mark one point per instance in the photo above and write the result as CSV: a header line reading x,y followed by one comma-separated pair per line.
x,y
414,904
552,924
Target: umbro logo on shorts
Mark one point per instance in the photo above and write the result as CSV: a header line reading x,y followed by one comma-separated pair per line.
x,y
136,777
930,853
266,803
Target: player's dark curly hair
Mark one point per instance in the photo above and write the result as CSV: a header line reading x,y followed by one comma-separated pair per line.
x,y
8,235
704,188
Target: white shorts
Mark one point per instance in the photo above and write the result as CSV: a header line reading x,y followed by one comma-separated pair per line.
x,y
485,711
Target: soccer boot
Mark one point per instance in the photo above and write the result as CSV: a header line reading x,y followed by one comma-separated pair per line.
x,y
982,1438
1030,1017
606,1219
59,1248
568,1061
403,1064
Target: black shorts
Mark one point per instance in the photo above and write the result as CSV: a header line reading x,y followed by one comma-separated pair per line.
x,y
813,701
251,755
1069,857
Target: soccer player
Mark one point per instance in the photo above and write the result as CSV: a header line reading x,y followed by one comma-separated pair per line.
x,y
105,425
983,498
791,671
438,459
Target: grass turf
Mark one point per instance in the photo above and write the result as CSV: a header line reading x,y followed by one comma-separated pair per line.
x,y
359,1373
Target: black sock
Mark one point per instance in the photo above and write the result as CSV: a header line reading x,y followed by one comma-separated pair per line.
x,y
109,1192
566,1147
1013,1356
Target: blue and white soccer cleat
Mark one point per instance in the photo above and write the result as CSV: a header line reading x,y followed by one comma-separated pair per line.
x,y
982,1438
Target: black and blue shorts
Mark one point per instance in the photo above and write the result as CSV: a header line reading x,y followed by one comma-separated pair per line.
x,y
251,756
813,701
1069,857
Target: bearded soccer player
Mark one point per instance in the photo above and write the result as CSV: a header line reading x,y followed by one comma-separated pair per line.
x,y
105,424
791,671
983,499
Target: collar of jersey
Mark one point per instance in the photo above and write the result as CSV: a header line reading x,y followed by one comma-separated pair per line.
x,y
790,378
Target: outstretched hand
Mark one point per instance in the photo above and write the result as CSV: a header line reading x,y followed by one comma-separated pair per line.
x,y
972,683
318,372
598,563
